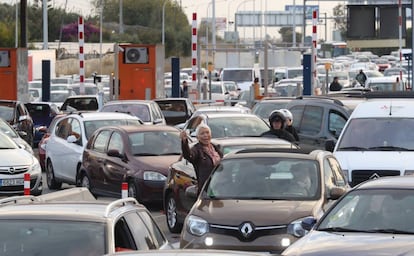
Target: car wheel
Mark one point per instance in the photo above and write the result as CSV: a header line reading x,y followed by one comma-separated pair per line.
x,y
50,177
172,216
133,191
85,182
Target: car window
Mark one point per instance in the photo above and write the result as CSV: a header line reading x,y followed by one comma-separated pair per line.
x,y
336,122
297,113
63,128
100,142
144,240
337,173
123,236
76,129
153,228
330,177
237,126
311,120
6,113
115,143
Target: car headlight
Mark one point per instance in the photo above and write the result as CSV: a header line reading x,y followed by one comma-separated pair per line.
x,y
154,176
295,228
197,226
35,168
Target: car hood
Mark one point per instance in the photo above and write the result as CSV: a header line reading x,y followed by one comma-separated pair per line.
x,y
268,212
159,163
13,157
339,243
375,160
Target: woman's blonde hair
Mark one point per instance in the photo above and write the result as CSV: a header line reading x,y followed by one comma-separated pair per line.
x,y
200,127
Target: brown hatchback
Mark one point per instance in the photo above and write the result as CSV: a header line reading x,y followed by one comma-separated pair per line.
x,y
256,198
139,155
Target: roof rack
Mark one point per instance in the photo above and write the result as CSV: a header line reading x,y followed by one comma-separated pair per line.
x,y
119,203
17,199
276,150
336,101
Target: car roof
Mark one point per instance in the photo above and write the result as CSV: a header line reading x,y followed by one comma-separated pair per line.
x,y
229,141
384,108
103,115
227,114
142,128
306,153
389,182
113,102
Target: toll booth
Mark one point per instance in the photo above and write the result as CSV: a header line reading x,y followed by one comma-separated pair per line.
x,y
139,72
14,74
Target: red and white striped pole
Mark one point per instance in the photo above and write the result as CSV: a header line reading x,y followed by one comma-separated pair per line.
x,y
194,52
314,48
26,184
81,38
124,188
400,37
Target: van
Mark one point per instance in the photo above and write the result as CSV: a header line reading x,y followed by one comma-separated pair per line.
x,y
244,77
376,140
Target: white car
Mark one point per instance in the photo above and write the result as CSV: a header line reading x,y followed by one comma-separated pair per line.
x,y
69,138
15,162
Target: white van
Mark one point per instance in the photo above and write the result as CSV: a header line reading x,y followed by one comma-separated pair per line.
x,y
377,140
244,77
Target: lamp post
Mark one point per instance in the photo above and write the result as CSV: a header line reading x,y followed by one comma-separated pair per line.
x,y
163,22
100,36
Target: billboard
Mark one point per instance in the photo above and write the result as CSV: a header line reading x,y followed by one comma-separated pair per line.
x,y
299,9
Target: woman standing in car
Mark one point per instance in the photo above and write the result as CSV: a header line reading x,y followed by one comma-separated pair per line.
x,y
204,155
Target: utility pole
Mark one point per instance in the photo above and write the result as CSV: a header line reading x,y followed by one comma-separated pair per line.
x,y
45,25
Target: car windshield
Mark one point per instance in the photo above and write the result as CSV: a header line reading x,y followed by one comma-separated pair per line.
x,y
264,108
238,75
6,142
377,134
386,86
265,178
7,129
155,143
173,108
6,112
52,237
140,110
374,210
237,126
93,125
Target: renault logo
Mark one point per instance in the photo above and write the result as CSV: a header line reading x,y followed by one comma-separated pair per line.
x,y
374,176
11,170
246,229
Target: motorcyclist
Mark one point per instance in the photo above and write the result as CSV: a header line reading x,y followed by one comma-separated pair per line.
x,y
277,121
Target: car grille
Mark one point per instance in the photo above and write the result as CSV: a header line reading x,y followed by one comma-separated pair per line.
x,y
359,176
248,234
11,170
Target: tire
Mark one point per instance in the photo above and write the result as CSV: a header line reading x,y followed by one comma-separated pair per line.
x,y
85,182
172,216
133,191
50,177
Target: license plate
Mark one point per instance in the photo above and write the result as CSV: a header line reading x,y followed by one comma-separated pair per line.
x,y
11,182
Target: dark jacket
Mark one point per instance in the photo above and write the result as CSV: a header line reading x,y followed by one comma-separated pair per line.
x,y
202,162
280,133
292,131
335,86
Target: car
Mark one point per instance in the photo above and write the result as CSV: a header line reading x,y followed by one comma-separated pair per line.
x,y
68,139
176,110
386,83
42,114
187,252
82,103
264,107
89,88
256,199
72,222
18,116
375,141
182,175
138,155
318,119
233,90
15,163
371,219
228,124
146,110
59,96
205,109
35,94
7,129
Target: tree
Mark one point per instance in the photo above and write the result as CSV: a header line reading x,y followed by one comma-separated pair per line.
x,y
287,34
340,19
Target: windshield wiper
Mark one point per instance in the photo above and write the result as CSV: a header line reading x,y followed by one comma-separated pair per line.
x,y
389,148
145,154
389,231
171,153
353,148
340,229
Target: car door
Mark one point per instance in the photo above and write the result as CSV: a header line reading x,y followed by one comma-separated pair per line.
x,y
309,126
114,168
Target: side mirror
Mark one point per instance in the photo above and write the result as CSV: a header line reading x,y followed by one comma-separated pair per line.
x,y
329,145
308,223
191,191
336,192
22,118
71,139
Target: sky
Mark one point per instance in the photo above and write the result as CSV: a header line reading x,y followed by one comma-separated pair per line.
x,y
224,9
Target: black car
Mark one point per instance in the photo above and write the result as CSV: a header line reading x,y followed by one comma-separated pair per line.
x,y
176,110
318,119
42,114
373,218
18,116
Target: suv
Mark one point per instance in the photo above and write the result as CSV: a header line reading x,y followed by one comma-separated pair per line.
x,y
176,110
72,222
256,198
17,115
318,119
69,138
82,103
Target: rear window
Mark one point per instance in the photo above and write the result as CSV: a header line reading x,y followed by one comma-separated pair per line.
x,y
88,104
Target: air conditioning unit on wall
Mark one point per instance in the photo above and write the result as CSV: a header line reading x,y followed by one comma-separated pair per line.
x,y
136,55
4,58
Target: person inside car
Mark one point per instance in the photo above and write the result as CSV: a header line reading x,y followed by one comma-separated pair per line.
x,y
277,121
